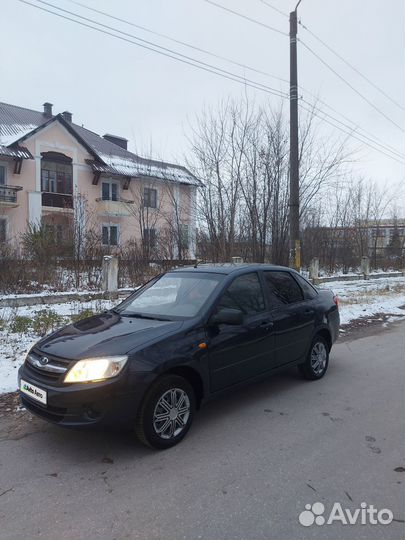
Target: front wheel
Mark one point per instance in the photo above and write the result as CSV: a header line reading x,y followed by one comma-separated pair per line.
x,y
317,361
166,413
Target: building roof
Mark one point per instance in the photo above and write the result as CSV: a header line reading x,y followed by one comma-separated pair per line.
x,y
19,152
18,123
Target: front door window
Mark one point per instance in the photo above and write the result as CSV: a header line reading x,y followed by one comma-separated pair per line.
x,y
245,294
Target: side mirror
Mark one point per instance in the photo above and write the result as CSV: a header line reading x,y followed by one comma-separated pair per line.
x,y
227,316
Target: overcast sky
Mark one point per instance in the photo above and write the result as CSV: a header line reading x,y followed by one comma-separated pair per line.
x,y
115,87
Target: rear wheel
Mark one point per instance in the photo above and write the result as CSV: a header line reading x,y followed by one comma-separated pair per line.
x,y
166,413
317,361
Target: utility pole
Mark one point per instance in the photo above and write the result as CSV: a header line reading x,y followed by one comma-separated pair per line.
x,y
295,247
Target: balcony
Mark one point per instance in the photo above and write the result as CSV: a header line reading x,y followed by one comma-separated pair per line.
x,y
57,202
118,208
8,196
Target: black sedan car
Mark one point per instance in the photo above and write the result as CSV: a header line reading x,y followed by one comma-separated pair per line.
x,y
184,337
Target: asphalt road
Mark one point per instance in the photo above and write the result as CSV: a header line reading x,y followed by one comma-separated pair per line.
x,y
248,467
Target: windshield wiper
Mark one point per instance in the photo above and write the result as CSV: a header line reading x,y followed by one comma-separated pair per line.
x,y
142,316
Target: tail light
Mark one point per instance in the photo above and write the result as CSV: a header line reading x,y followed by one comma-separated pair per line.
x,y
336,300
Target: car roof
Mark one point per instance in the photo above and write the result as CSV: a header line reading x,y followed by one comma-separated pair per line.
x,y
229,268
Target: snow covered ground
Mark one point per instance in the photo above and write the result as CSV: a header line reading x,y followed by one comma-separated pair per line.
x,y
357,299
15,345
366,298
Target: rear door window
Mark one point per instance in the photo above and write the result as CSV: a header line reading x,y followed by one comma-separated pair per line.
x,y
245,294
309,291
283,287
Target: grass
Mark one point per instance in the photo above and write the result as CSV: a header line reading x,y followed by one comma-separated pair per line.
x,y
373,294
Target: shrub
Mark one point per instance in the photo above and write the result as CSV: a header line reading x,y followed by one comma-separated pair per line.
x,y
84,314
46,321
20,324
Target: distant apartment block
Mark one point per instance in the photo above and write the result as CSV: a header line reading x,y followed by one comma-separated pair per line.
x,y
372,236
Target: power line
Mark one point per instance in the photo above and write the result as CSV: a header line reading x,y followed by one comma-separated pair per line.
x,y
371,139
350,65
158,48
204,66
307,91
351,86
211,69
367,135
357,128
238,14
179,42
350,134
274,8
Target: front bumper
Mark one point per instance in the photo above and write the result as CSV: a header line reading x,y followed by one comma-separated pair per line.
x,y
113,402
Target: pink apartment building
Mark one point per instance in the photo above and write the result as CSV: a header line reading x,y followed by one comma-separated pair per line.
x,y
57,172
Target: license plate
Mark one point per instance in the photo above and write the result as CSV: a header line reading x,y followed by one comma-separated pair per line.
x,y
33,391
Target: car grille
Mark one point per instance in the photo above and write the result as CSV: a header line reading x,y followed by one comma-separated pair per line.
x,y
44,373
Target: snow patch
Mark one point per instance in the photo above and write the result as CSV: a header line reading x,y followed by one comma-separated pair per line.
x,y
365,298
129,167
16,131
15,346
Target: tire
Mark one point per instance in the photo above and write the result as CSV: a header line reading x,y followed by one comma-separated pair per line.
x,y
159,423
316,364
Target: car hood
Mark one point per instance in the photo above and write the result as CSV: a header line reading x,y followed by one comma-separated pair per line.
x,y
105,334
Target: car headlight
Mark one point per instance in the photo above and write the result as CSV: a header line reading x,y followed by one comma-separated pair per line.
x,y
96,369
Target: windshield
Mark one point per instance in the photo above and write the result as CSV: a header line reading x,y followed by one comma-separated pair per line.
x,y
177,295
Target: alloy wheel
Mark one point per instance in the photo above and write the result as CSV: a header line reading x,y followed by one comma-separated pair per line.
x,y
171,413
319,356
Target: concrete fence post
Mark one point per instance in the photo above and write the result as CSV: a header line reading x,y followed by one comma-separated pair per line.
x,y
314,270
109,280
365,267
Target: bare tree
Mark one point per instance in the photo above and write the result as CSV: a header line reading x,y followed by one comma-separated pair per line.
x,y
240,151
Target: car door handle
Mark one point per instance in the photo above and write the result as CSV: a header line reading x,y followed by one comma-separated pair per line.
x,y
309,312
266,324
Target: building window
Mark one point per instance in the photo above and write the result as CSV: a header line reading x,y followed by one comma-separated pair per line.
x,y
109,191
110,235
3,230
149,237
149,197
56,232
2,175
184,236
56,173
